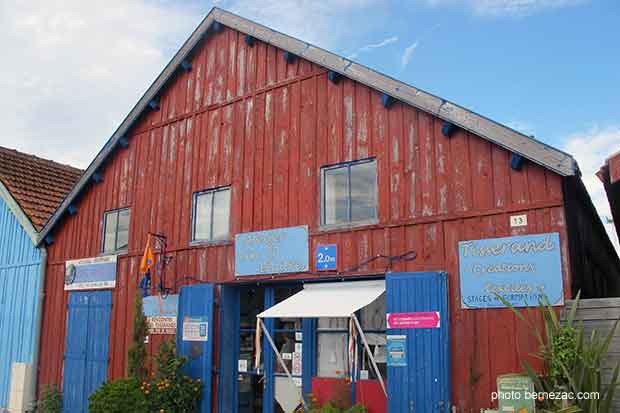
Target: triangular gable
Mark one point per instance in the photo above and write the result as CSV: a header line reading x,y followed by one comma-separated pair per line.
x,y
22,218
528,147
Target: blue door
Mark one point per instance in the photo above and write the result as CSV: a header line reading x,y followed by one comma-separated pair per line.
x,y
423,385
87,347
196,310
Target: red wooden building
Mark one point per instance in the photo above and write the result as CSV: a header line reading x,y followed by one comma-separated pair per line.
x,y
255,119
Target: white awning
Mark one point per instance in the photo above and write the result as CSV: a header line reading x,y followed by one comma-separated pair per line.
x,y
340,299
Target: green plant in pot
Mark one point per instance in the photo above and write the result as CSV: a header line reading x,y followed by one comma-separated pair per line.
x,y
572,360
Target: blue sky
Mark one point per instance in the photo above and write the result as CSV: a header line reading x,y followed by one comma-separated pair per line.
x,y
550,68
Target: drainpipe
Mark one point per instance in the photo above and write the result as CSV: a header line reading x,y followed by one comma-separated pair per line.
x,y
39,322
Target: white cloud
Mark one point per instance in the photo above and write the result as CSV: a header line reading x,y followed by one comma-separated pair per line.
x,y
72,69
372,46
408,54
512,8
591,148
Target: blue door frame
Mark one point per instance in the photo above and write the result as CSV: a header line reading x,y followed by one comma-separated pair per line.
x,y
423,385
87,347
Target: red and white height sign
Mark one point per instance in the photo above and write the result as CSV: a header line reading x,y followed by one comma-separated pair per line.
x,y
429,319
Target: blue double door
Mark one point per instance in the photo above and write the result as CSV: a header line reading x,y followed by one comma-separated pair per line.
x,y
87,347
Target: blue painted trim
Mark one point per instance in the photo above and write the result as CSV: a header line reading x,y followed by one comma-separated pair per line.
x,y
309,350
289,57
249,40
268,354
154,104
447,129
333,76
123,142
186,66
387,101
217,27
227,396
97,177
516,161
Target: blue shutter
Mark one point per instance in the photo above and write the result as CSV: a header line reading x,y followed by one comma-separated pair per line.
x,y
197,301
229,343
423,385
87,347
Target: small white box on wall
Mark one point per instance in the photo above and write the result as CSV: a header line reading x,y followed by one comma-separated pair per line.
x,y
21,395
518,220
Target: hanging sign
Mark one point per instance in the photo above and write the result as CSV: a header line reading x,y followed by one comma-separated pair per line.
x,y
91,273
396,351
161,314
195,329
429,319
326,257
520,269
277,251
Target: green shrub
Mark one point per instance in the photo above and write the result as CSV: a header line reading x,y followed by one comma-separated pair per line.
x,y
171,390
119,396
136,356
50,401
573,361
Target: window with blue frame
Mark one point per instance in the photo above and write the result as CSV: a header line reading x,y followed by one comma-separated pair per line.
x,y
211,215
349,192
115,231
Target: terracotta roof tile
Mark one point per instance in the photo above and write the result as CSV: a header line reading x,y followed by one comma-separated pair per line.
x,y
38,185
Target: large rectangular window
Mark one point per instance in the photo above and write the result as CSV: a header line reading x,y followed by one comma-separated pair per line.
x,y
349,192
115,230
211,215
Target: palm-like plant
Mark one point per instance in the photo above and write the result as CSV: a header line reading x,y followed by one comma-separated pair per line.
x,y
572,361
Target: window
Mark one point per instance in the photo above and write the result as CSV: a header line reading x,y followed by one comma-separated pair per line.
x,y
211,215
115,230
349,192
333,342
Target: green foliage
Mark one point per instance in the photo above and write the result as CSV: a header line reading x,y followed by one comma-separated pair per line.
x,y
171,390
573,362
50,401
340,404
136,356
119,396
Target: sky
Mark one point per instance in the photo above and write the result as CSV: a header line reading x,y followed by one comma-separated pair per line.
x,y
72,70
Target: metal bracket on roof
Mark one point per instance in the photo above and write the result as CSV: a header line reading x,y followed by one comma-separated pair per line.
x,y
72,209
217,26
49,240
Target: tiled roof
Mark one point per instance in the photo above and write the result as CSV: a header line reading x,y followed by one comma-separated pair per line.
x,y
38,185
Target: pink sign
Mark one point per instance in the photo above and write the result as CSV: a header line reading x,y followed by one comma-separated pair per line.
x,y
414,320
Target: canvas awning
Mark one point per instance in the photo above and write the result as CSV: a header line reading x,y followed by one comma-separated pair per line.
x,y
340,299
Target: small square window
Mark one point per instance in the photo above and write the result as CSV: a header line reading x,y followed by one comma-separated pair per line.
x,y
116,230
349,192
211,215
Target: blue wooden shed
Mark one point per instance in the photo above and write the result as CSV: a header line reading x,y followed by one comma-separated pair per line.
x,y
30,190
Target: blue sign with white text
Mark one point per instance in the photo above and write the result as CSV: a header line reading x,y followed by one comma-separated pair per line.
x,y
520,269
326,257
276,251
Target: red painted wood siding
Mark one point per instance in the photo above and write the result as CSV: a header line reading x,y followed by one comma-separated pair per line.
x,y
245,118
